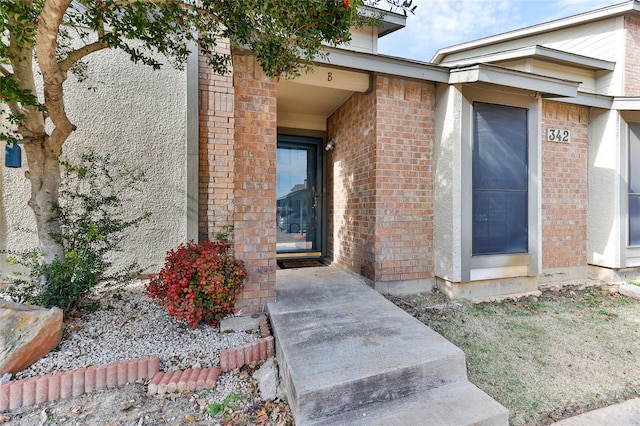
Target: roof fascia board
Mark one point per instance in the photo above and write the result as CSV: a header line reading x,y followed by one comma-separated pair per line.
x,y
626,103
583,18
540,53
517,79
385,65
587,99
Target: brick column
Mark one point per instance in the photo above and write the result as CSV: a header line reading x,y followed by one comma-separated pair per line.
x,y
350,174
255,181
404,180
380,175
564,187
216,151
631,56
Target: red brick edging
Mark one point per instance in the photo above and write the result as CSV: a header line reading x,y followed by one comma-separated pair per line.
x,y
53,387
233,358
198,379
63,385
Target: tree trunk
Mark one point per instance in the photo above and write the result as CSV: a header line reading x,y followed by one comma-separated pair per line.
x,y
41,153
44,176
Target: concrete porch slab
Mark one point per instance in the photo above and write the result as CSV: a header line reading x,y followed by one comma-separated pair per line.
x,y
345,350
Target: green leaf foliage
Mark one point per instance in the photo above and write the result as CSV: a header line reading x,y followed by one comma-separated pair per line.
x,y
94,224
284,35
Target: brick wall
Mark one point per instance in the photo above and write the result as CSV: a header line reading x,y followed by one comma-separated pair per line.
x,y
564,187
350,176
255,131
632,56
216,155
380,176
404,179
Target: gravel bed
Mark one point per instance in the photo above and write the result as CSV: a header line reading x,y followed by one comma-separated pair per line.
x,y
127,325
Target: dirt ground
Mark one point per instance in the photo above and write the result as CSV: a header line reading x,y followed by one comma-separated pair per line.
x,y
545,358
131,405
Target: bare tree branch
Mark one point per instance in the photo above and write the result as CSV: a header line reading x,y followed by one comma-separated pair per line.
x,y
5,71
80,53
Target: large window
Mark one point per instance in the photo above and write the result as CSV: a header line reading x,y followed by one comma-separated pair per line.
x,y
634,184
500,179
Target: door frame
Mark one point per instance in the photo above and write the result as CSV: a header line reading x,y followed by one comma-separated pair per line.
x,y
292,140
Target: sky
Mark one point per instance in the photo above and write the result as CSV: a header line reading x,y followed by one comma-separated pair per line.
x,y
443,23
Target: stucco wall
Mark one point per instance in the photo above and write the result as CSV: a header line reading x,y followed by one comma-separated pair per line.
x,y
448,184
139,117
605,215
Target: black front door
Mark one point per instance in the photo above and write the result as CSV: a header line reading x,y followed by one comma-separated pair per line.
x,y
299,196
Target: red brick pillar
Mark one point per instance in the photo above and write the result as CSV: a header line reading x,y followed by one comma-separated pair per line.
x,y
404,180
564,187
216,151
255,181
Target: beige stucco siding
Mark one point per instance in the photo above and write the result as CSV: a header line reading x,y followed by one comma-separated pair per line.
x,y
605,215
139,117
448,183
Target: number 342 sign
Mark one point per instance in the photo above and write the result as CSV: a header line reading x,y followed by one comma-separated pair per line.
x,y
558,135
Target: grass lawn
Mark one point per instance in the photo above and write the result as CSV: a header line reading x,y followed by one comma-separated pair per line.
x,y
544,358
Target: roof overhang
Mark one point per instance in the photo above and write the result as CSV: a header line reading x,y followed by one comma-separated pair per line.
x,y
545,86
306,101
583,18
385,65
541,53
626,103
587,99
388,21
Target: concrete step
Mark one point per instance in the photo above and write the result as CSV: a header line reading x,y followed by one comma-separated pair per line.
x,y
344,349
450,405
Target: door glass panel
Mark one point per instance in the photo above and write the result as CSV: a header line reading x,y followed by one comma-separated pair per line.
x,y
298,198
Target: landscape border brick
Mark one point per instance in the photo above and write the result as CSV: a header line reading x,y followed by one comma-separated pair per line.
x,y
67,384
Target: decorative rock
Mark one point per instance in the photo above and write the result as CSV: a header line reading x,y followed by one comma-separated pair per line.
x,y
27,333
267,378
630,290
241,323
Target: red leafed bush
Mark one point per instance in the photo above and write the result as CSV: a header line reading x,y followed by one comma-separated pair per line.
x,y
199,282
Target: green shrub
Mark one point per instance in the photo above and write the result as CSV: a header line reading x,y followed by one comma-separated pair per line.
x,y
93,225
199,282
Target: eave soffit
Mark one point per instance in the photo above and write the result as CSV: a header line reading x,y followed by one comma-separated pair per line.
x,y
491,74
541,53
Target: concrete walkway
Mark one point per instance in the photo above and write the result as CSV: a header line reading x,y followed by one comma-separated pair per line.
x,y
349,356
624,414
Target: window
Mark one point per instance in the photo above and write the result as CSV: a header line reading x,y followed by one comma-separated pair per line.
x,y
500,180
634,184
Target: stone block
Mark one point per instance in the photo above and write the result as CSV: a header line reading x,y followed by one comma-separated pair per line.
x,y
241,323
27,333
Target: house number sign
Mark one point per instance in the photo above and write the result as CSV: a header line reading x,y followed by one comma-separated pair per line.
x,y
559,135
